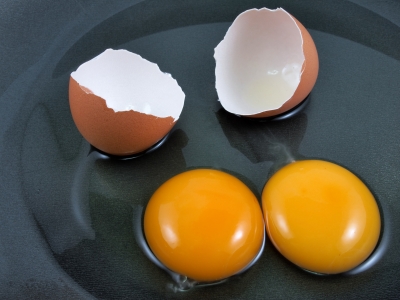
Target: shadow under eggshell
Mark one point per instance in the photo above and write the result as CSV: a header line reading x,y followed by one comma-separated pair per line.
x,y
117,133
308,78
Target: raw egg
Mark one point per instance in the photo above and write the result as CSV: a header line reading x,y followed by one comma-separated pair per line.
x,y
123,104
321,216
266,64
204,224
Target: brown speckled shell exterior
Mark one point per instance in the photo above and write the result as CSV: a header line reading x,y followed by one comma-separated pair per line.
x,y
308,78
116,133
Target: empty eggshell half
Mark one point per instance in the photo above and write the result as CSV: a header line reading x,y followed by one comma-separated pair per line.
x,y
266,64
123,104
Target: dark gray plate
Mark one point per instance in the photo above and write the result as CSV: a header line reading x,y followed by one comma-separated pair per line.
x,y
66,213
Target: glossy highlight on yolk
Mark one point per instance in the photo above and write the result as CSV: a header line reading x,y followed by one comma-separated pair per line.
x,y
204,224
321,216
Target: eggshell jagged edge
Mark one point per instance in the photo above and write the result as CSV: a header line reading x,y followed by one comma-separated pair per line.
x,y
118,133
309,70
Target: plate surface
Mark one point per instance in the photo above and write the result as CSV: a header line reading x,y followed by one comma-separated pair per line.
x,y
66,212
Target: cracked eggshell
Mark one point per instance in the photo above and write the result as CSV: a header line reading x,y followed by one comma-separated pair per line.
x,y
266,64
123,104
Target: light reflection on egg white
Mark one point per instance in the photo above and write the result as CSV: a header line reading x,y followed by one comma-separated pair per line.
x,y
381,248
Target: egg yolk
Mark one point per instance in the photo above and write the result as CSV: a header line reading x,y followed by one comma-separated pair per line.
x,y
321,216
204,224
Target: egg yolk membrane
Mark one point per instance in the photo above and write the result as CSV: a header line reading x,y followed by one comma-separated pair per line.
x,y
320,216
204,224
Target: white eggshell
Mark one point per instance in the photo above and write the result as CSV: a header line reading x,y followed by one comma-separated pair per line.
x,y
260,61
126,81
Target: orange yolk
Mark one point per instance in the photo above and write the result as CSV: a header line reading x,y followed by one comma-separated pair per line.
x,y
204,224
321,216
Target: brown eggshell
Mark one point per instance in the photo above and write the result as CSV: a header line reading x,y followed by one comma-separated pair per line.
x,y
308,78
117,133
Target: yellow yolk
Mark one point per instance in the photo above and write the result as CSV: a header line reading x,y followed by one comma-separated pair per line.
x,y
204,224
321,216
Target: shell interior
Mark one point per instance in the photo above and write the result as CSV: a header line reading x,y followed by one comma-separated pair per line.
x,y
126,81
259,63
